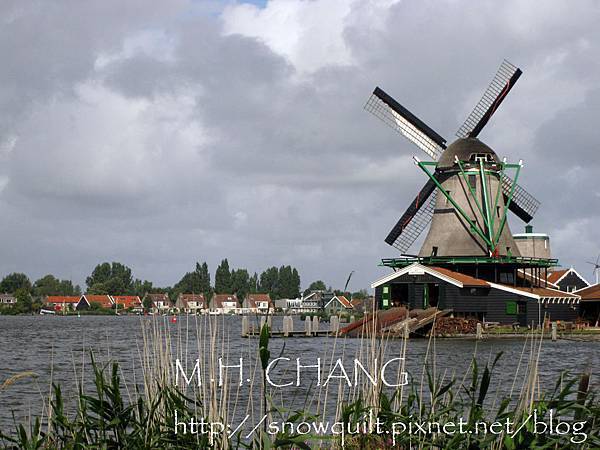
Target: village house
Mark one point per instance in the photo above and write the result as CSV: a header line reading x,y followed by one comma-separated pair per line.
x,y
160,302
128,302
224,304
313,302
337,304
7,300
191,303
589,305
62,303
567,280
258,304
103,301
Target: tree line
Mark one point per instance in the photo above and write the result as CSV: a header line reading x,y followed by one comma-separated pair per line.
x,y
117,279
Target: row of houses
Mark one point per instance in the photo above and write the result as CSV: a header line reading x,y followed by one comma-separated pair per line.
x,y
313,302
323,301
162,304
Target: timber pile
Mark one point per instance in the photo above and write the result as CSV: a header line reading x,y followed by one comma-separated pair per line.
x,y
449,326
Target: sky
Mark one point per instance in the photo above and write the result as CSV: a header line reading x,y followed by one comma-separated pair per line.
x,y
160,134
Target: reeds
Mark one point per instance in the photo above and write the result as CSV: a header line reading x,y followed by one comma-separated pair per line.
x,y
116,410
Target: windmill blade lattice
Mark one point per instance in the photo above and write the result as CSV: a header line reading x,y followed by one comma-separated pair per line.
x,y
523,204
415,219
500,86
397,117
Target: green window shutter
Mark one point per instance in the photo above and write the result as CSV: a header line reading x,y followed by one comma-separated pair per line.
x,y
385,296
511,308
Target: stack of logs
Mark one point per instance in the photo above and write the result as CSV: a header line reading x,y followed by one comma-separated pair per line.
x,y
451,326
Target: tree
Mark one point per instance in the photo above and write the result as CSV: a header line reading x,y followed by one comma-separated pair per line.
x,y
13,282
280,283
141,288
240,283
315,286
24,300
111,279
253,284
196,282
269,282
223,278
50,285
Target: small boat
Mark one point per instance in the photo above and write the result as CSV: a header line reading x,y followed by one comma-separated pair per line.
x,y
46,311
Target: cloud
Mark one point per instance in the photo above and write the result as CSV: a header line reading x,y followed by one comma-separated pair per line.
x,y
163,134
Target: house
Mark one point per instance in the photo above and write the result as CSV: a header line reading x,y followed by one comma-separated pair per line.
x,y
160,302
191,303
224,304
131,302
103,301
7,300
417,286
64,303
589,305
567,280
337,304
258,304
313,302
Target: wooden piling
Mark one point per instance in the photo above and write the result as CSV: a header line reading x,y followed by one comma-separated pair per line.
x,y
245,326
479,334
307,326
334,324
554,331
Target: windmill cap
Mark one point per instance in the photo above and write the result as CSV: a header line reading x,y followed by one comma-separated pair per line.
x,y
465,149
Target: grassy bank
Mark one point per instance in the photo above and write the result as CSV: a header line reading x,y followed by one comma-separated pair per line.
x,y
112,412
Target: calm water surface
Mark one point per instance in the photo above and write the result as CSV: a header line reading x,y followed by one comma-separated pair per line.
x,y
54,348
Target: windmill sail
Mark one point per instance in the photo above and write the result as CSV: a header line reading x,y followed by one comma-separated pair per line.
x,y
414,220
523,204
396,116
501,84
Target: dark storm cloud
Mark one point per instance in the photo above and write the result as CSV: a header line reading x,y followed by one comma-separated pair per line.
x,y
161,136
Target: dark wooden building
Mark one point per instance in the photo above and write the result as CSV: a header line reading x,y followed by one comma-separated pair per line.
x,y
419,286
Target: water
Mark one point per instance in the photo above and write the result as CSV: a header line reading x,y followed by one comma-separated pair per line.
x,y
54,347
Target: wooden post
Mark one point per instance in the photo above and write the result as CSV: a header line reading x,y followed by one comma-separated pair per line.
x,y
554,331
315,325
270,322
245,327
262,322
334,324
307,327
479,331
406,330
290,325
284,327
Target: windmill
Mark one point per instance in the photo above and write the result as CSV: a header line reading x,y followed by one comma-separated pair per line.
x,y
596,267
469,189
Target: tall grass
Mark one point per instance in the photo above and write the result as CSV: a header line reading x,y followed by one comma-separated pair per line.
x,y
112,410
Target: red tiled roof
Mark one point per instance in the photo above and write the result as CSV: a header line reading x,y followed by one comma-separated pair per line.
x,y
127,301
466,280
185,298
252,299
62,299
218,299
553,277
344,301
103,300
590,293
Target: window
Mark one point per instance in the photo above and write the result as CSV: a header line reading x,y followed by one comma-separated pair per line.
x,y
511,308
473,181
571,288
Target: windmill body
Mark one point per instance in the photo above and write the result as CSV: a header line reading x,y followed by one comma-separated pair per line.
x,y
470,173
